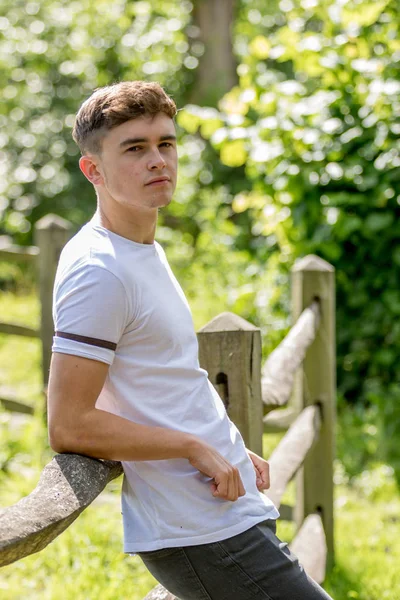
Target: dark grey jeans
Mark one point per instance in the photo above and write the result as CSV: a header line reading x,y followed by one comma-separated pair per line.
x,y
253,564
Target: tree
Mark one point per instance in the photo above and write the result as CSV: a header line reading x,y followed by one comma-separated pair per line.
x,y
52,55
216,72
311,136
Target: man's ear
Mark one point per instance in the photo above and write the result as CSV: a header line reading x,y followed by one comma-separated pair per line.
x,y
88,164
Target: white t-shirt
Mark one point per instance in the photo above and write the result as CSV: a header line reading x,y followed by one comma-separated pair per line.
x,y
124,294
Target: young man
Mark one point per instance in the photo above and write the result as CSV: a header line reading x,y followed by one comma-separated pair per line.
x,y
125,382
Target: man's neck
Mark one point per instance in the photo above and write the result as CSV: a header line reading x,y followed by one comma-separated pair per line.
x,y
135,225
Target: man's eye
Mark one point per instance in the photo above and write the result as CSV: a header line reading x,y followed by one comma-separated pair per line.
x,y
134,148
167,144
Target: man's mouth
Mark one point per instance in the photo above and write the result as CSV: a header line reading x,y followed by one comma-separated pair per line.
x,y
158,181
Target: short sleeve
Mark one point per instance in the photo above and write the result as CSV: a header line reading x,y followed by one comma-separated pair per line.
x,y
90,311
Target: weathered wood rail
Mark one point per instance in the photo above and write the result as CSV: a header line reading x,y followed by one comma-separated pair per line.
x,y
68,484
279,370
11,252
300,373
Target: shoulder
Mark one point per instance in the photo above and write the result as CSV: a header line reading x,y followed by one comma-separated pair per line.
x,y
94,255
90,247
88,272
90,299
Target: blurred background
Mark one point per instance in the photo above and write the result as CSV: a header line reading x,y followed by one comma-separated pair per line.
x,y
288,130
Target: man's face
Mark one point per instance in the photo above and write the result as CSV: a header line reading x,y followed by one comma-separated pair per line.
x,y
138,163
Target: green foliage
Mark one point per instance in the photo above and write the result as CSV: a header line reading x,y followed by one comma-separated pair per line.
x,y
9,276
366,542
52,55
309,158
360,438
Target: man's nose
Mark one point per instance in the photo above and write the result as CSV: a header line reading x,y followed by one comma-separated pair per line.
x,y
156,160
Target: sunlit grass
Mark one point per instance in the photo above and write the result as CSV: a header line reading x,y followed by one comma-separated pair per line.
x,y
21,309
367,546
85,562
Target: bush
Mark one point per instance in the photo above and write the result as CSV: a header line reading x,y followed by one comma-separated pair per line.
x,y
308,159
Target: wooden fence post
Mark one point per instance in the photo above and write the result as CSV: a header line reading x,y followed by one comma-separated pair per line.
x,y
315,383
51,235
230,351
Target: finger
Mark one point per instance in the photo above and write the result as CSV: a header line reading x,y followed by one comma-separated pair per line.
x,y
232,486
238,484
236,488
264,484
265,476
258,477
262,468
242,491
221,486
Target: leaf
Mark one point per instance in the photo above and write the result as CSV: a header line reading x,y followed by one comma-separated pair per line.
x,y
392,300
378,221
259,47
188,121
347,225
365,15
396,255
210,126
233,154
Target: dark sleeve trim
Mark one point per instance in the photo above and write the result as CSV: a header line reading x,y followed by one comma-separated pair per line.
x,y
87,340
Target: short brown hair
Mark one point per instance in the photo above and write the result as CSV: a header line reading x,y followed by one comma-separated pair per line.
x,y
113,105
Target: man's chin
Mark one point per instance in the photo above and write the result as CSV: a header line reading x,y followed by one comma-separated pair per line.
x,y
161,202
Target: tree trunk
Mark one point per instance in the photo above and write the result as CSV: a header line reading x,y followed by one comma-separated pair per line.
x,y
216,73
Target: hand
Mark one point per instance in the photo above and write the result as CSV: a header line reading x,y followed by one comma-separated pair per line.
x,y
226,483
261,468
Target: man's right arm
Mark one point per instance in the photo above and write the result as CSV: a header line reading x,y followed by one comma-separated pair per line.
x,y
76,425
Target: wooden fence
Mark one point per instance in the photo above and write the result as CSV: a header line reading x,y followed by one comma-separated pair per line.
x,y
51,234
293,391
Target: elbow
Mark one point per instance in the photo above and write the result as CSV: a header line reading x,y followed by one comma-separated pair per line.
x,y
60,439
56,440
70,437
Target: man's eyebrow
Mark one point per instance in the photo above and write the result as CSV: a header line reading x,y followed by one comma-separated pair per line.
x,y
141,140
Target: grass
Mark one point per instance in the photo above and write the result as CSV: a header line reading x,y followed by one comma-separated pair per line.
x,y
86,562
368,549
20,357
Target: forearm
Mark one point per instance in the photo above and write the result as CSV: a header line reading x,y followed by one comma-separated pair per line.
x,y
104,435
76,425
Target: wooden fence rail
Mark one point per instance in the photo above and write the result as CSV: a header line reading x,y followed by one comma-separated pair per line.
x,y
12,252
279,370
289,455
68,484
12,329
230,350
